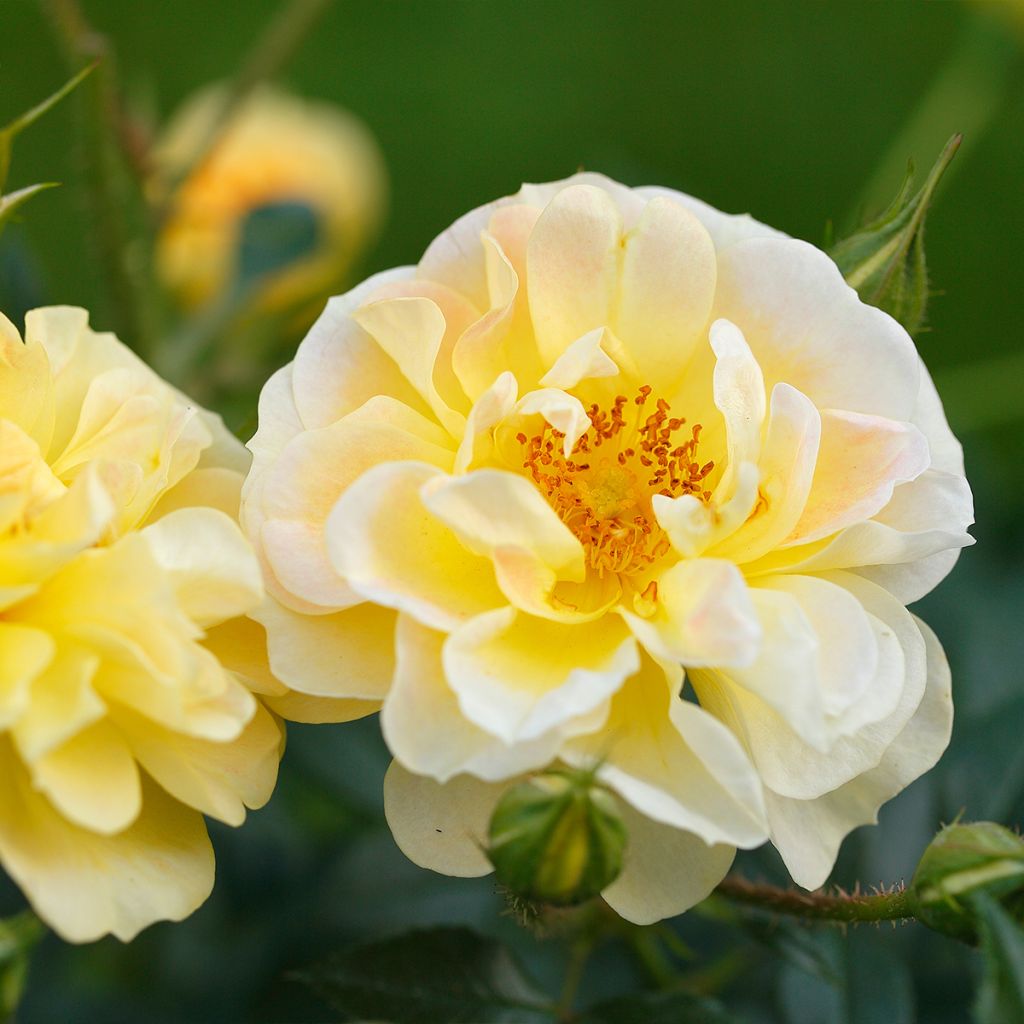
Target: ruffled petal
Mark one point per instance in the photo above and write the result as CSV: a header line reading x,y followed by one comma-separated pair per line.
x,y
86,885
807,833
517,676
393,550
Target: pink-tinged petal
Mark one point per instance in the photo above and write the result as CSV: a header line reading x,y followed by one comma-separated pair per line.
x,y
518,677
908,547
573,263
704,616
394,550
861,460
412,332
339,365
666,288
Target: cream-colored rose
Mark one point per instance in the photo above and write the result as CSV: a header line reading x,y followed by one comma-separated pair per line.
x,y
612,475
124,582
277,149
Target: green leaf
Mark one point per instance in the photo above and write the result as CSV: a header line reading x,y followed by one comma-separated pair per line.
x,y
19,124
440,974
1001,996
885,261
18,937
273,237
659,1008
10,202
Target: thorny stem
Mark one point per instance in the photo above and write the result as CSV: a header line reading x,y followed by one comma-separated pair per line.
x,y
848,908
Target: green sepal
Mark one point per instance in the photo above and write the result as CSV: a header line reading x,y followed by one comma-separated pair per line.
x,y
10,203
885,260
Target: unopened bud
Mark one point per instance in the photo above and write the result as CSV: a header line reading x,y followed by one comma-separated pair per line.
x,y
884,260
557,838
961,862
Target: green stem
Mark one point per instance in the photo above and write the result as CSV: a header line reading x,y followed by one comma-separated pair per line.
x,y
114,199
273,50
964,96
818,906
579,954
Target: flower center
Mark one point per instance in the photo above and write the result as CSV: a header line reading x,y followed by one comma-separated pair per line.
x,y
603,490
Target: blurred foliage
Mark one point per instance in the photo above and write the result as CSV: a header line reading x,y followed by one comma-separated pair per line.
x,y
758,107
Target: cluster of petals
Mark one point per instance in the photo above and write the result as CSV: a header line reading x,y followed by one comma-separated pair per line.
x,y
126,703
611,477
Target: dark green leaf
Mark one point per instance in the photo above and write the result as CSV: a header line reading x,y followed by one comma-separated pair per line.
x,y
1001,996
885,259
433,976
659,1008
273,237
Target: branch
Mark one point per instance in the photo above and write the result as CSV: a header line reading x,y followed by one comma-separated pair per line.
x,y
849,908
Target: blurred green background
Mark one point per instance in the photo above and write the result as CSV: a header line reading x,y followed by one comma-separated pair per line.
x,y
798,113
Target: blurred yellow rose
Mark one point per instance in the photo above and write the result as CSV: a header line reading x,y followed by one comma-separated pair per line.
x,y
601,443
123,581
315,168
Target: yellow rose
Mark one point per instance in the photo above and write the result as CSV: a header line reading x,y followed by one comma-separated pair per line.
x,y
278,149
601,443
123,576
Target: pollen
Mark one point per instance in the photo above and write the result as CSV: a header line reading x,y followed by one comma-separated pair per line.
x,y
602,491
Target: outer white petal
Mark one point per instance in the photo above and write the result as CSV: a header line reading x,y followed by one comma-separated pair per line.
x,y
802,321
438,826
665,870
394,551
518,676
725,228
808,832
